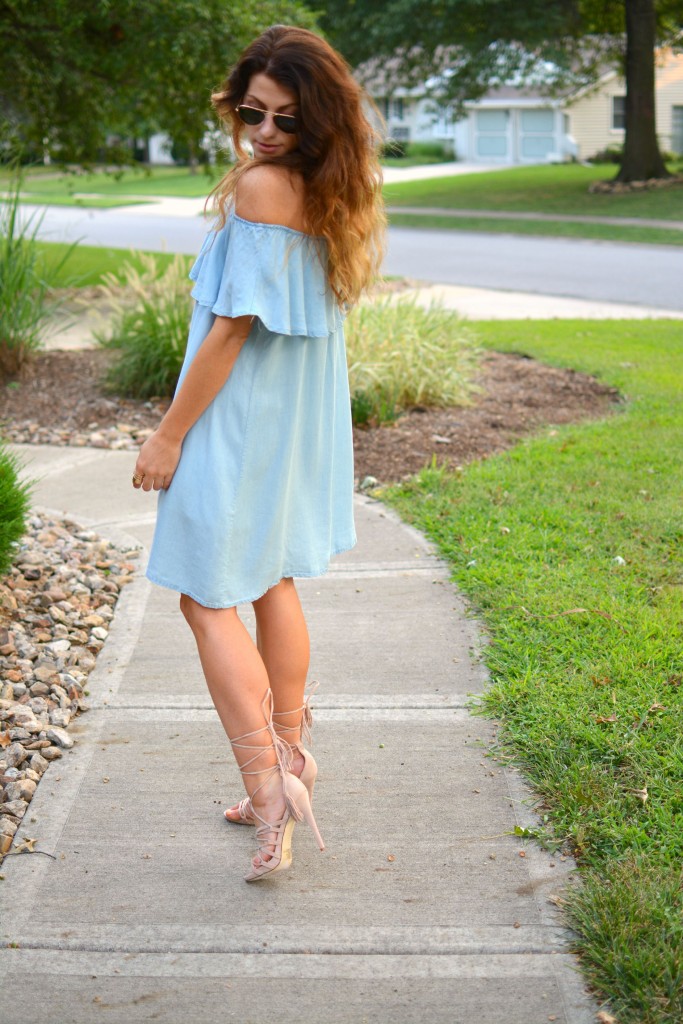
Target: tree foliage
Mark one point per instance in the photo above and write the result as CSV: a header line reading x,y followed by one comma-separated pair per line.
x,y
76,72
468,45
483,39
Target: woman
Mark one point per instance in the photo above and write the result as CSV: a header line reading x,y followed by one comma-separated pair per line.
x,y
254,457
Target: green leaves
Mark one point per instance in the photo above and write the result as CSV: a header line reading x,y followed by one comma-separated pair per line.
x,y
75,75
149,326
14,506
26,304
401,355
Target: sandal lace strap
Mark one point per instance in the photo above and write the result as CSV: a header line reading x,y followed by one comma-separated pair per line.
x,y
306,717
283,763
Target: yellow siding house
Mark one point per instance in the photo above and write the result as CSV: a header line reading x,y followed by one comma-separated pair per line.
x,y
597,113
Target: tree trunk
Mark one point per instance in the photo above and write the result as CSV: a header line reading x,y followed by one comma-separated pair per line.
x,y
641,159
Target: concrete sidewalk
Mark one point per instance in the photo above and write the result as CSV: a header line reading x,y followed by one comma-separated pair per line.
x,y
499,304
422,908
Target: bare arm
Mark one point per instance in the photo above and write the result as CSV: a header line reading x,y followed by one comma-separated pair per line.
x,y
266,194
210,368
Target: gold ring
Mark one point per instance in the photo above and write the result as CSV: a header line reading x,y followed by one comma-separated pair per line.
x,y
137,479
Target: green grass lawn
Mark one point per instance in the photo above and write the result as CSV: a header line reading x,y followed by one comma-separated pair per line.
x,y
570,550
88,264
61,188
96,202
543,189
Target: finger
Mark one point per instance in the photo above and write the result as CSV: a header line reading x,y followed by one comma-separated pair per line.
x,y
158,483
138,479
148,483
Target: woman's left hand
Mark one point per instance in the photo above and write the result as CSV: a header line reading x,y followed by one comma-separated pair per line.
x,y
157,462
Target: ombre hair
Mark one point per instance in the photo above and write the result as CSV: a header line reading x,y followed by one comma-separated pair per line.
x,y
336,154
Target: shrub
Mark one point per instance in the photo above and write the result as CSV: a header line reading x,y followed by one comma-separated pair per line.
x,y
402,355
14,505
395,148
150,332
26,302
430,150
609,155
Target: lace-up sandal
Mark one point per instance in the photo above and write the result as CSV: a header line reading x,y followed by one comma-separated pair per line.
x,y
242,813
275,837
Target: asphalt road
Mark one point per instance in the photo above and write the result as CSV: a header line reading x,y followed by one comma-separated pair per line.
x,y
650,275
121,229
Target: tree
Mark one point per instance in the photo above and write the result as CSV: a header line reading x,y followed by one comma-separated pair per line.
x,y
470,44
642,158
75,73
193,42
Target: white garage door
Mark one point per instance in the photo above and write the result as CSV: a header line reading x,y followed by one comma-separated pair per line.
x,y
493,135
537,135
677,129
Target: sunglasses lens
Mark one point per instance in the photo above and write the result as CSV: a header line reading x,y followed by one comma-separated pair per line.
x,y
286,123
250,115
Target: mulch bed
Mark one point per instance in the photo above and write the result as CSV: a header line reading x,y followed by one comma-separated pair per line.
x,y
60,398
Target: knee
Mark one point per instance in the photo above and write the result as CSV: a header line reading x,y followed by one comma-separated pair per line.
x,y
191,611
275,594
202,620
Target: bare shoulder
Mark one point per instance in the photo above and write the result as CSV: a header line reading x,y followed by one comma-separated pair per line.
x,y
271,195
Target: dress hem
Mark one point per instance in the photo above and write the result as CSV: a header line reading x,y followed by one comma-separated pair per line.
x,y
249,600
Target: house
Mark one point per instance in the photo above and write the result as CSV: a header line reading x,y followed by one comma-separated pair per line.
x,y
518,125
597,116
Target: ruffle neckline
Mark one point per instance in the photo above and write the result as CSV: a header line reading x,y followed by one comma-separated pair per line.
x,y
273,272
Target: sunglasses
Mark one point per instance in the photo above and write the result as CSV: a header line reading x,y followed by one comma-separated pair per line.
x,y
287,123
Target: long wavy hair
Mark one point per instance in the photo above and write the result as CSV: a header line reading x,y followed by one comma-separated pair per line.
x,y
336,155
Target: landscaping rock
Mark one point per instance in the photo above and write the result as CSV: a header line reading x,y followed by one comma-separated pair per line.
x,y
38,764
59,598
15,808
14,755
51,753
60,737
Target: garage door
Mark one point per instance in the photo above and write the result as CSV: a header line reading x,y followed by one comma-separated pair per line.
x,y
493,134
537,135
677,129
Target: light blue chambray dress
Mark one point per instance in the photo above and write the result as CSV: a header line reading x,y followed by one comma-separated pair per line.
x,y
264,487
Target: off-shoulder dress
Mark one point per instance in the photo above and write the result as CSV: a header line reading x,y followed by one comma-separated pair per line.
x,y
264,486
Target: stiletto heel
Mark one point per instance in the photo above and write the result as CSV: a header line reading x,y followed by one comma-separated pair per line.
x,y
303,803
309,772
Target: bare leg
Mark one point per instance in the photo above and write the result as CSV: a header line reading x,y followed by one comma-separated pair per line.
x,y
237,679
282,638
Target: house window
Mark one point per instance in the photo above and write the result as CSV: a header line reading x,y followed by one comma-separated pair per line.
x,y
391,109
401,134
618,113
